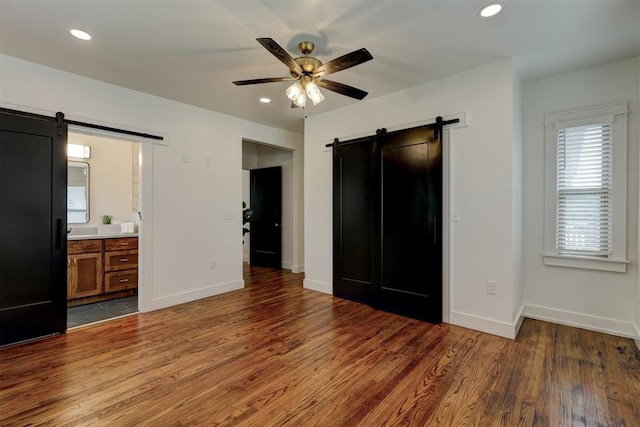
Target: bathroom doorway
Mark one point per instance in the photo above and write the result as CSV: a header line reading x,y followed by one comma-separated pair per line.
x,y
104,215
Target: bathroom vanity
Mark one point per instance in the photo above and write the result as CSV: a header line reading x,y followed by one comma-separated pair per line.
x,y
101,267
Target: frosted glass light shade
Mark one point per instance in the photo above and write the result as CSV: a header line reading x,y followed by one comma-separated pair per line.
x,y
294,91
314,94
301,99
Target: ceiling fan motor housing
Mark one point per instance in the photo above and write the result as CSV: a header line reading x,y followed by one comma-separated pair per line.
x,y
306,62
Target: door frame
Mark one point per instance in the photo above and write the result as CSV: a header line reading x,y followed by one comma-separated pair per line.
x,y
296,206
145,227
446,225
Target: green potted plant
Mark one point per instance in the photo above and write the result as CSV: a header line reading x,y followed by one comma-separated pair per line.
x,y
247,216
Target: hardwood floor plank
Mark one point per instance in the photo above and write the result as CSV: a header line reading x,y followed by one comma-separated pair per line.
x,y
276,354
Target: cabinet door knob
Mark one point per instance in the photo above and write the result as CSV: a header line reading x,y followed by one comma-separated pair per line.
x,y
124,280
124,259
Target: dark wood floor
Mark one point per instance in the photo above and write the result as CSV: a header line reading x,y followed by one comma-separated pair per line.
x,y
276,354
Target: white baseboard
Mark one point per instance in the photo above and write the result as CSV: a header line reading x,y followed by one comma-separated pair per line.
x,y
518,321
196,294
579,320
489,326
286,265
298,268
637,337
317,286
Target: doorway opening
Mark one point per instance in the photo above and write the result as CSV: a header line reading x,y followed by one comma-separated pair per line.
x,y
104,214
258,158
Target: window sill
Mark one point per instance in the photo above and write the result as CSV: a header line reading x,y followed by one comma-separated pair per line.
x,y
588,263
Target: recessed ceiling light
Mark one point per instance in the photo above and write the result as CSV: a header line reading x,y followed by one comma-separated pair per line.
x,y
265,100
490,10
80,34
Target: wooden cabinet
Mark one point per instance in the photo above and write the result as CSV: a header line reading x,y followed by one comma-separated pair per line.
x,y
101,269
84,268
121,264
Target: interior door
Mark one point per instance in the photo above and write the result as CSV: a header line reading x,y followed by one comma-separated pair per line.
x,y
33,274
411,223
387,223
355,236
266,226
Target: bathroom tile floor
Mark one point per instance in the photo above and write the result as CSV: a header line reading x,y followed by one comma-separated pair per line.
x,y
84,314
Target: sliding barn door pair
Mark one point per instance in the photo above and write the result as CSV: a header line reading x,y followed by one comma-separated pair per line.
x,y
387,220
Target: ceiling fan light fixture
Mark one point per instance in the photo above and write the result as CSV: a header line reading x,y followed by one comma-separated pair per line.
x,y
313,92
296,93
300,100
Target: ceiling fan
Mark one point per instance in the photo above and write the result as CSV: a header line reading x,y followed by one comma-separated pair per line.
x,y
309,72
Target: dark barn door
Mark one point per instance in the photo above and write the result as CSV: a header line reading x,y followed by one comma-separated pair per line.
x,y
388,222
33,250
411,223
355,255
266,227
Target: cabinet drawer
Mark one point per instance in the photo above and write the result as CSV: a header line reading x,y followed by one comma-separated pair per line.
x,y
83,246
121,280
120,244
121,260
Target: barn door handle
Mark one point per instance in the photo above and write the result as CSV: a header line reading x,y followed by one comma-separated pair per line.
x,y
61,228
435,229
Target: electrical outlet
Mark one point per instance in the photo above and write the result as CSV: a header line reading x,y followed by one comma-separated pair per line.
x,y
212,264
185,158
228,216
455,215
491,287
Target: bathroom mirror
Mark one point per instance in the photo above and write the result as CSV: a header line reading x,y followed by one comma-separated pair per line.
x,y
77,192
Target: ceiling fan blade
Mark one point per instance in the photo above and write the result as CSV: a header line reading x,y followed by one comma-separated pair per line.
x,y
342,89
345,61
266,80
281,54
293,105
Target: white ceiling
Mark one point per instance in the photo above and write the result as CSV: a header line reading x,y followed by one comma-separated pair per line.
x,y
191,51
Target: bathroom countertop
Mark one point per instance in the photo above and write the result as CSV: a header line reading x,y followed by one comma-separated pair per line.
x,y
100,236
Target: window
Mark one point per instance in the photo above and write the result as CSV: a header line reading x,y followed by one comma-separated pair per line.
x,y
585,200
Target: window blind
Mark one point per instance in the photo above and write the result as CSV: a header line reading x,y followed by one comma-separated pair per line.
x,y
584,184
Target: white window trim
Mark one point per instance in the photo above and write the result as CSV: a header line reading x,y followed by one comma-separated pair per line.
x,y
616,114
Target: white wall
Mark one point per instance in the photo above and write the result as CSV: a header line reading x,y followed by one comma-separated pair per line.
x,y
110,178
592,299
482,186
189,200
